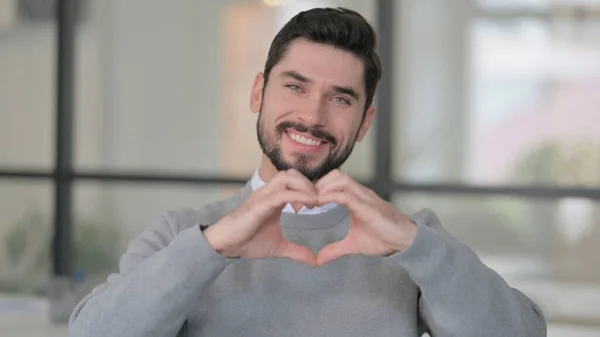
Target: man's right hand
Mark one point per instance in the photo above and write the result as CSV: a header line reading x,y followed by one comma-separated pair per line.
x,y
253,229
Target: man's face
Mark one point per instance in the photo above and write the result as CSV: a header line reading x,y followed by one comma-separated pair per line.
x,y
311,109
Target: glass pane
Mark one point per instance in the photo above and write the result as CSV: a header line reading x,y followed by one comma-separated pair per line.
x,y
174,96
25,236
25,260
27,86
109,216
547,249
499,102
495,5
534,103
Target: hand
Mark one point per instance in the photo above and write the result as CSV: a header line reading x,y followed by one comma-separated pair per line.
x,y
253,229
376,228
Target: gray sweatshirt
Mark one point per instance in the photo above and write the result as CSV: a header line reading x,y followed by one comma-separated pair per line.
x,y
170,275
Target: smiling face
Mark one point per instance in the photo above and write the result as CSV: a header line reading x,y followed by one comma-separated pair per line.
x,y
311,109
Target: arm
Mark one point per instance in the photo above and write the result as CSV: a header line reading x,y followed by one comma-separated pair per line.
x,y
460,296
164,272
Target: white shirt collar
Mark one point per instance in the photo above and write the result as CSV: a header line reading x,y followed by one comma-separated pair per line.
x,y
257,183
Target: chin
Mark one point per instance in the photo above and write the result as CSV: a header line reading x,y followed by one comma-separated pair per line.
x,y
302,165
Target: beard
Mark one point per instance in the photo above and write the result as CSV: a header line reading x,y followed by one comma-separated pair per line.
x,y
269,144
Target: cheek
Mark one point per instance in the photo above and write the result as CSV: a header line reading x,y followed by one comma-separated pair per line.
x,y
277,107
346,133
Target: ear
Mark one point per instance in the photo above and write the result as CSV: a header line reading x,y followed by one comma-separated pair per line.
x,y
369,116
257,93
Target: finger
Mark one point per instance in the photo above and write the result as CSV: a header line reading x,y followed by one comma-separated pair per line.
x,y
343,182
331,176
266,203
282,197
293,180
350,200
298,253
334,251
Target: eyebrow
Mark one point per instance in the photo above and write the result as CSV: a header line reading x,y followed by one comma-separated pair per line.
x,y
296,75
346,91
339,89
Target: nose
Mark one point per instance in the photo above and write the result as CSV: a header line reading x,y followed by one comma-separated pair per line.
x,y
313,113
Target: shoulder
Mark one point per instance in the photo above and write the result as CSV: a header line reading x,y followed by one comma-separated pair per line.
x,y
184,218
426,217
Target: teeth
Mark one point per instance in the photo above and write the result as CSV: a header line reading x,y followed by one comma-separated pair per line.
x,y
304,140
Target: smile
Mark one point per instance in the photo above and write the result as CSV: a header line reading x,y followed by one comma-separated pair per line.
x,y
303,139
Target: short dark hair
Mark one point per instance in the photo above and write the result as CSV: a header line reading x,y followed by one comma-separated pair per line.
x,y
339,27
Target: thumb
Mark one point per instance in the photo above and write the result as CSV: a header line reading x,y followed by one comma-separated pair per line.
x,y
298,253
334,251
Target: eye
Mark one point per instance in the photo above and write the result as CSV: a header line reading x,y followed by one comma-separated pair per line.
x,y
294,87
341,100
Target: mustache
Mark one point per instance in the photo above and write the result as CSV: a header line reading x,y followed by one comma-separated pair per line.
x,y
315,132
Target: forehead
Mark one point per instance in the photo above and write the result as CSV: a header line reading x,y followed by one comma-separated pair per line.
x,y
323,64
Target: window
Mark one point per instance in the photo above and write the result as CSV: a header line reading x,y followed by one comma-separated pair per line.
x,y
491,103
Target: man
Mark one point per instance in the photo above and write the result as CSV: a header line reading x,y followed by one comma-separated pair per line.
x,y
303,249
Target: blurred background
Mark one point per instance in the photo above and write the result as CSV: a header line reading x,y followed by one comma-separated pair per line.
x,y
114,111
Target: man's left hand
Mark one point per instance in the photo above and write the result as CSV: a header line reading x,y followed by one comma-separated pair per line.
x,y
376,227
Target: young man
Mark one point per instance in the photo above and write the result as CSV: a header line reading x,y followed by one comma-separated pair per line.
x,y
303,249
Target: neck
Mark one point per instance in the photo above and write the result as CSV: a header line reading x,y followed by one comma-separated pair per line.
x,y
267,170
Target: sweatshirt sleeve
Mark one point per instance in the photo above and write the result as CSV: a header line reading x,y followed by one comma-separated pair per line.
x,y
460,296
161,275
